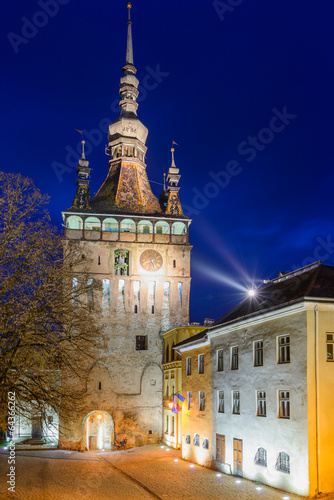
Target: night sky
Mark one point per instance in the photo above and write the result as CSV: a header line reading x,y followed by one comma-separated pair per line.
x,y
244,87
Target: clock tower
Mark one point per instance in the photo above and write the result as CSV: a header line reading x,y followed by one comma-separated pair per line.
x,y
140,253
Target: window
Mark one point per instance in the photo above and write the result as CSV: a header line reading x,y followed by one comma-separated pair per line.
x,y
174,263
100,386
75,291
258,353
196,440
187,439
141,342
167,389
136,290
152,311
201,401
261,457
121,264
261,404
205,444
284,349
136,309
167,424
221,402
201,363
220,360
234,358
121,285
167,354
236,402
173,426
188,366
166,289
283,462
189,398
330,347
284,404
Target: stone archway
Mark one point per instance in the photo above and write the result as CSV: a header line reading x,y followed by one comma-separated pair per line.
x,y
98,431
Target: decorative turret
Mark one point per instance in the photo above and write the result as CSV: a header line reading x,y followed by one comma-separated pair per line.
x,y
82,196
173,177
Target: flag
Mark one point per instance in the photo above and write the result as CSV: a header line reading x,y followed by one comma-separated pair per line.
x,y
176,144
80,131
177,402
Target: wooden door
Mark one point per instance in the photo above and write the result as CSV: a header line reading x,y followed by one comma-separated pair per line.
x,y
237,457
220,448
36,431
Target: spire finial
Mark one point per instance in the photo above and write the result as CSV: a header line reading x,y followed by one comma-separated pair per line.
x,y
83,150
129,48
164,184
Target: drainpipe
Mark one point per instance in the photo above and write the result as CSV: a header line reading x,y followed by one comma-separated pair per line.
x,y
316,335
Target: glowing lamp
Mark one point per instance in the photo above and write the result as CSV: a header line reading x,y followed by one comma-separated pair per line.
x,y
258,488
218,475
161,446
251,292
175,460
286,498
170,404
191,466
238,481
99,416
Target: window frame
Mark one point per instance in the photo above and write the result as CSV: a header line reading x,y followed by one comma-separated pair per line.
x,y
257,353
189,399
284,404
285,458
220,402
330,342
220,360
282,348
188,366
261,458
201,401
235,358
200,361
238,403
261,403
196,441
144,339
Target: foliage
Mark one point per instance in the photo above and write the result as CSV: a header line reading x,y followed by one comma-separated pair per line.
x,y
48,334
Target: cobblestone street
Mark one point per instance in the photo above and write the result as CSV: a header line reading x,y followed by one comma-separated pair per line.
x,y
141,473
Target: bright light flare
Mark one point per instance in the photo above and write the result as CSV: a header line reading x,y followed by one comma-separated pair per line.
x,y
252,292
191,466
258,488
175,460
238,481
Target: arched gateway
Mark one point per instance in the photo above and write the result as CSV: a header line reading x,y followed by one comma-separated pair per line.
x,y
98,431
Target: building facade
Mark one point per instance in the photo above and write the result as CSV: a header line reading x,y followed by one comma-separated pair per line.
x,y
197,443
172,377
140,253
272,376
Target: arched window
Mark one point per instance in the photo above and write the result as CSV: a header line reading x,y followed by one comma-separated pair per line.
x,y
261,457
283,462
128,226
179,228
145,226
172,353
109,224
74,222
162,227
196,440
92,224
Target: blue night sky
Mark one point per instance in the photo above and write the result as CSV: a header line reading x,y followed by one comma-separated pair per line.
x,y
244,87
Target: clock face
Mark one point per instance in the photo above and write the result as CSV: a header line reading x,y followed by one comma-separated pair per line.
x,y
151,260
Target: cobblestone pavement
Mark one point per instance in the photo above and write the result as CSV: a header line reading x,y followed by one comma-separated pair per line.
x,y
150,472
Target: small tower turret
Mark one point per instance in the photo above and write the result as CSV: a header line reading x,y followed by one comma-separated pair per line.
x,y
82,196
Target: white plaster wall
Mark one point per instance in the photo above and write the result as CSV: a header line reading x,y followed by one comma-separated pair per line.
x,y
270,432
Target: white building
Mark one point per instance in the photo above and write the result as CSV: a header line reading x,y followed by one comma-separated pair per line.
x,y
273,381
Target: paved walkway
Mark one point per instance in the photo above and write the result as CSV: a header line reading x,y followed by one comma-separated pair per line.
x,y
150,472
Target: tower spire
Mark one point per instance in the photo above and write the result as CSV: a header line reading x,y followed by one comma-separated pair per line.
x,y
129,46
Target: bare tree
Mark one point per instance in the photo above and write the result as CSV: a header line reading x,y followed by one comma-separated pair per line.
x,y
49,328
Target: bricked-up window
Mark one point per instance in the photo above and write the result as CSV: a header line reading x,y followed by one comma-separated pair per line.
x,y
166,290
106,294
284,404
234,358
90,293
261,404
330,346
188,366
220,360
141,342
179,292
283,462
201,363
196,440
236,402
284,349
75,291
201,401
258,353
189,399
187,439
261,457
221,405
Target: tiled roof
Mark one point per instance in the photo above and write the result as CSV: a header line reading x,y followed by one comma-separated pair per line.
x,y
198,336
315,280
